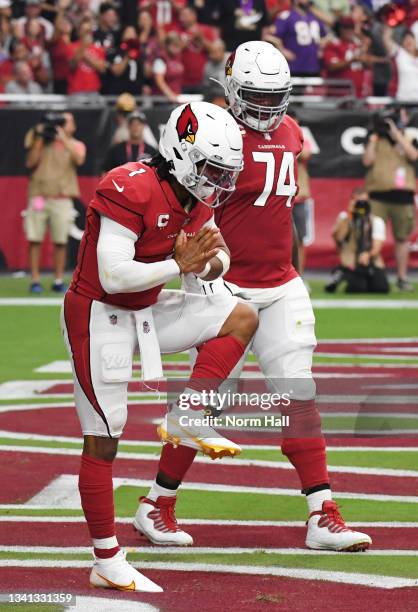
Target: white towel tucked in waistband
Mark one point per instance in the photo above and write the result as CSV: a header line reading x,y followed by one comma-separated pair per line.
x,y
149,347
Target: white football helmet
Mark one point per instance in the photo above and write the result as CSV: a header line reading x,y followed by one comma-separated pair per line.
x,y
257,82
203,144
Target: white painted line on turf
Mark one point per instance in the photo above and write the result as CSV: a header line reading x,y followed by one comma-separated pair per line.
x,y
316,303
367,356
31,301
22,518
55,367
62,492
368,340
366,304
370,580
270,447
202,550
236,462
367,399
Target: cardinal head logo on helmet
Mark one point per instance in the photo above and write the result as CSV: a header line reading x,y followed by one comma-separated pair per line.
x,y
187,125
229,64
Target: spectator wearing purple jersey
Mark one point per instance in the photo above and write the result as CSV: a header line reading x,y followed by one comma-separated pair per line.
x,y
297,34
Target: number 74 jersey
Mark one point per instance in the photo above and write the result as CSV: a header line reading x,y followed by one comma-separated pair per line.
x,y
256,221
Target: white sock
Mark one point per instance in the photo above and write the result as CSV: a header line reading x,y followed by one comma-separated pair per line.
x,y
315,500
58,281
105,544
157,491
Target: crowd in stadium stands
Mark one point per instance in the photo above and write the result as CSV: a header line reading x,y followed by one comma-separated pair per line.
x,y
169,47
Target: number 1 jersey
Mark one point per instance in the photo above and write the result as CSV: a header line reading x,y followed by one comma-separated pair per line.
x,y
256,221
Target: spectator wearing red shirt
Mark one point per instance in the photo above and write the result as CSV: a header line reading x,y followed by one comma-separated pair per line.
x,y
164,12
197,42
58,52
168,69
87,62
346,58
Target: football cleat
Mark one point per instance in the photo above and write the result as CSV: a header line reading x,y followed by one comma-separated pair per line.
x,y
328,531
194,434
117,573
156,520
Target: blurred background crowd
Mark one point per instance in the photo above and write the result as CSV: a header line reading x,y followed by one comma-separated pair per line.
x,y
170,47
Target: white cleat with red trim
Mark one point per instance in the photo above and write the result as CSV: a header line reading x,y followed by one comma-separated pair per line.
x,y
117,573
328,531
156,520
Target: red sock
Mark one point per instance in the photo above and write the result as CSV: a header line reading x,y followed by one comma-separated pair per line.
x,y
215,360
304,444
96,492
175,462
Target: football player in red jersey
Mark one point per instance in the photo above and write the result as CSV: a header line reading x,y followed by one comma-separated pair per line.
x,y
148,223
257,227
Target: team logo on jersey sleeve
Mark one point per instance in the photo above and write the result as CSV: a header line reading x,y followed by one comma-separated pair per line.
x,y
187,125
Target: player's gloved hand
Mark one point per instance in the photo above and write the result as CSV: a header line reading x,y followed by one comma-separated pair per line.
x,y
192,254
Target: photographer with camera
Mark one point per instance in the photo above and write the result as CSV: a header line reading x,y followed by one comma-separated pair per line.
x,y
359,236
53,155
391,182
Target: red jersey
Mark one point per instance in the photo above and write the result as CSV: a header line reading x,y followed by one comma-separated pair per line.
x,y
84,78
194,55
134,196
340,51
256,221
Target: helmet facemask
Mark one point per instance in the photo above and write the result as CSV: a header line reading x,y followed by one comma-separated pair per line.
x,y
210,181
260,109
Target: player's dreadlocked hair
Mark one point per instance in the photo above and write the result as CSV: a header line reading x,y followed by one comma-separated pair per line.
x,y
161,165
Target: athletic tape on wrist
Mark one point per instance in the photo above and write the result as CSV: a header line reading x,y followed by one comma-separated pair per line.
x,y
205,271
225,260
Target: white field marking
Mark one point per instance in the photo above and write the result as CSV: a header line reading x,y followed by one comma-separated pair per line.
x,y
368,340
203,522
367,356
203,550
55,367
41,437
261,463
394,387
342,303
62,492
25,389
133,400
31,301
367,399
358,364
270,447
370,580
366,304
399,349
32,389
374,415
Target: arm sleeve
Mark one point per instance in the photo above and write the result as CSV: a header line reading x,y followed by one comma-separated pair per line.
x,y
118,272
